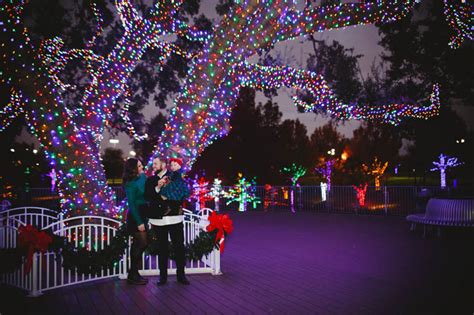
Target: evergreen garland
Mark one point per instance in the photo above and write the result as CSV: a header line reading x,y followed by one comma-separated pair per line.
x,y
92,262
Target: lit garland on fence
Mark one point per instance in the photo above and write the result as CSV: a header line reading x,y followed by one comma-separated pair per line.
x,y
459,15
444,163
376,169
202,110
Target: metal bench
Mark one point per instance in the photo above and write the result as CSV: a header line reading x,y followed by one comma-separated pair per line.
x,y
444,212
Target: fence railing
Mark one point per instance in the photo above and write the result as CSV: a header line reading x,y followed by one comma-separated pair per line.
x,y
92,233
389,200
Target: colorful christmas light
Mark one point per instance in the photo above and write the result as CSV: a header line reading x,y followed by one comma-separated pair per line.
x,y
52,174
200,192
444,162
241,192
216,192
459,15
376,169
202,110
294,172
361,191
326,171
70,133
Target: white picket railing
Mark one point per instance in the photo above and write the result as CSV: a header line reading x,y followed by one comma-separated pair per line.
x,y
92,233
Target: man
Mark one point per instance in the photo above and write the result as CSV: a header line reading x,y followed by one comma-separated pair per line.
x,y
163,224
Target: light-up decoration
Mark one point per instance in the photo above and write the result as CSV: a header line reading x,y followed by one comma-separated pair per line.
x,y
216,192
294,172
444,162
269,197
459,15
70,133
326,171
242,193
202,110
376,169
52,174
361,191
200,192
324,190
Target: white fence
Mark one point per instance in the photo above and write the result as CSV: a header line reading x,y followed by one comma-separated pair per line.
x,y
92,233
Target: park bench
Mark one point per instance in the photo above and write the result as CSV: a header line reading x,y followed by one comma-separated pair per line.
x,y
444,213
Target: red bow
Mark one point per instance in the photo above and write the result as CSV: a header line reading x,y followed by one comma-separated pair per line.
x,y
223,224
30,239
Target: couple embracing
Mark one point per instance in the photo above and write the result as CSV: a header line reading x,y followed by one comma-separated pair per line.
x,y
156,200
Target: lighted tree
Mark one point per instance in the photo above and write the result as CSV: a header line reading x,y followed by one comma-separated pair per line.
x,y
70,133
444,162
376,169
242,193
294,172
326,171
202,110
270,195
361,191
52,174
216,192
201,192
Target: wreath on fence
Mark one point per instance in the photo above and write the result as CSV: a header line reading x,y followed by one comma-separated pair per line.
x,y
92,262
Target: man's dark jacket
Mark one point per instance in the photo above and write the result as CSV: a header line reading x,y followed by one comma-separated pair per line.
x,y
155,202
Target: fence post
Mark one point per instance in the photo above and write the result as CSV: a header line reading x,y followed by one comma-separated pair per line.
x,y
216,266
35,285
124,274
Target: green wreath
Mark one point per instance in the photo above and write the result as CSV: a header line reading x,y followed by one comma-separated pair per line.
x,y
93,262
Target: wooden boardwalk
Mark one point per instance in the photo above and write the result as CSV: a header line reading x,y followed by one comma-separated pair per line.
x,y
302,263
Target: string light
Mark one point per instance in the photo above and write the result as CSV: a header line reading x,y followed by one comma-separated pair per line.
x,y
326,172
361,192
242,193
444,162
69,134
376,169
216,192
459,17
202,110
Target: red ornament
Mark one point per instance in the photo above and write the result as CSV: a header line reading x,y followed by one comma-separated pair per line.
x,y
223,224
32,240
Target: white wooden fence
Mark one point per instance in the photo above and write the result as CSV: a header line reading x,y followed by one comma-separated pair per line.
x,y
92,233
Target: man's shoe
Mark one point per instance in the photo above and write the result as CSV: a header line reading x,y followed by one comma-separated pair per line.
x,y
161,282
183,280
137,280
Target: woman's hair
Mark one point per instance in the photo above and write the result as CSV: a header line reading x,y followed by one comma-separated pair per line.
x,y
130,170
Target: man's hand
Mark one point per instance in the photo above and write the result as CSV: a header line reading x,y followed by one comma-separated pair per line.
x,y
141,228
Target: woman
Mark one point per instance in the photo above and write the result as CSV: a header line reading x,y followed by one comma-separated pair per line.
x,y
134,182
